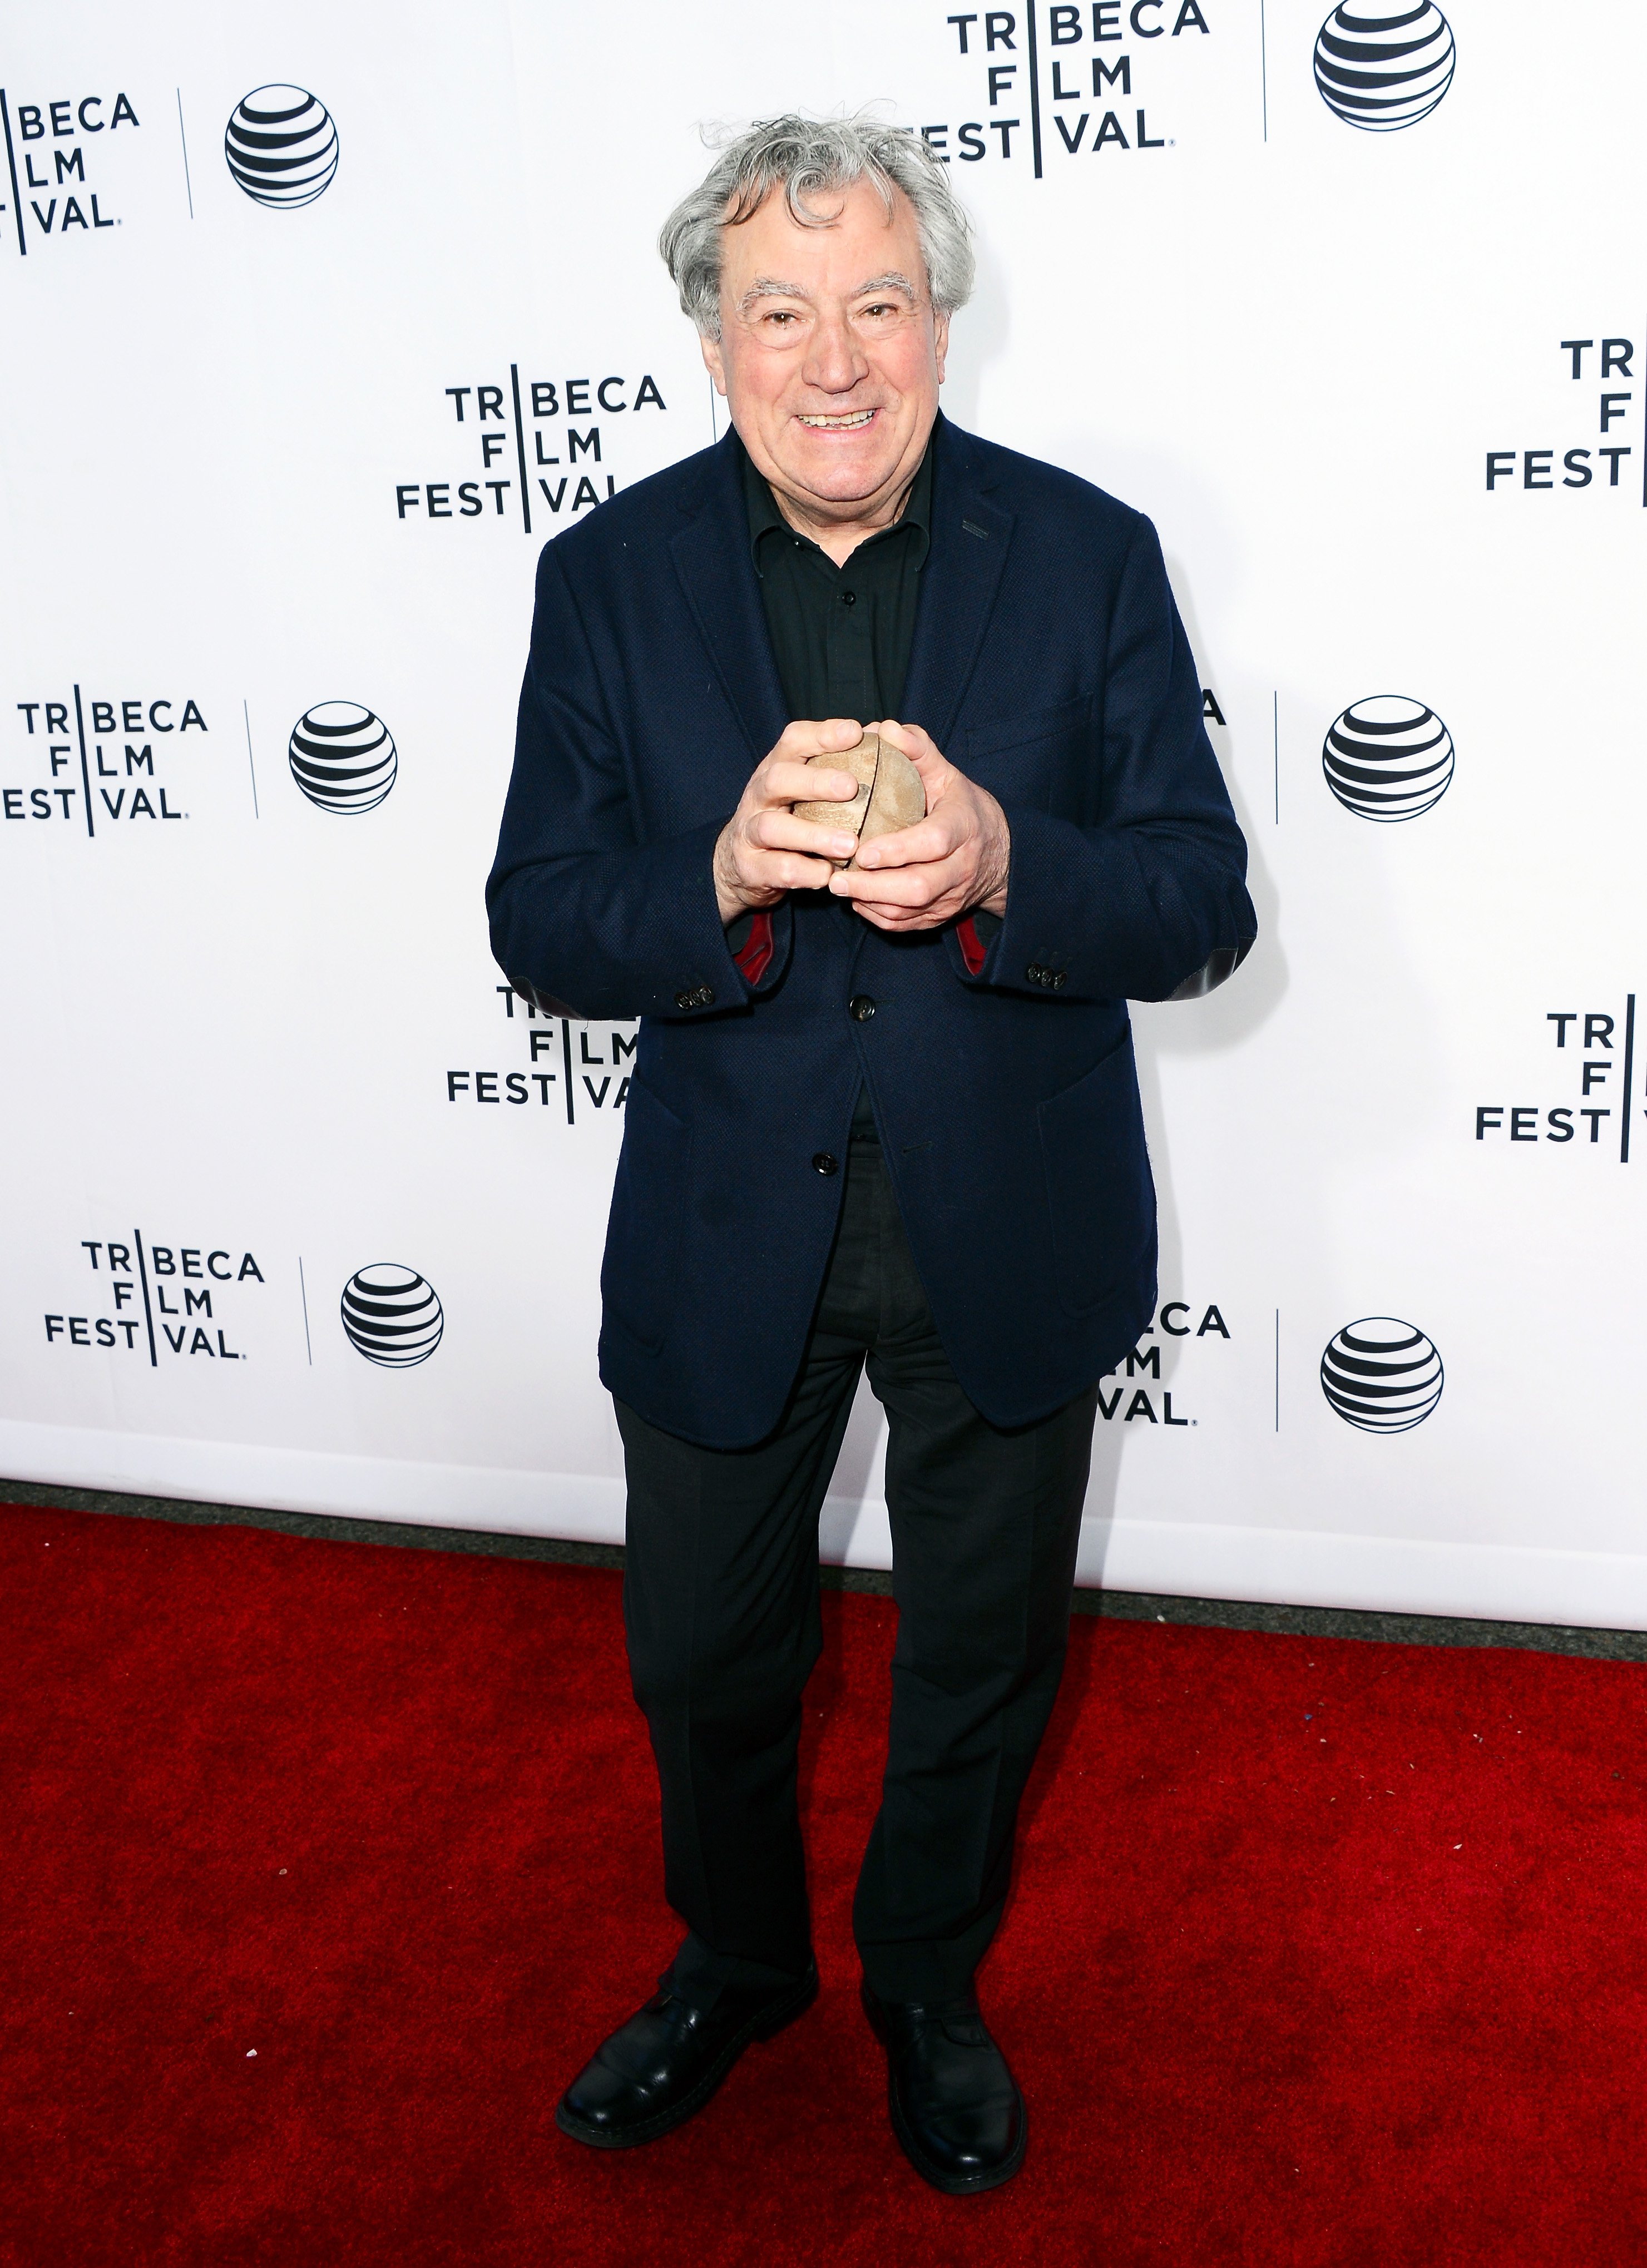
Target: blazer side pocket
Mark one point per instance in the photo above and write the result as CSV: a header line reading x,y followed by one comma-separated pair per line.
x,y
1022,732
1099,1193
643,1235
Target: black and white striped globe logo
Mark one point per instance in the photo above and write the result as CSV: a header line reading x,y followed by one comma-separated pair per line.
x,y
1379,67
1388,758
392,1315
281,146
1382,1376
342,757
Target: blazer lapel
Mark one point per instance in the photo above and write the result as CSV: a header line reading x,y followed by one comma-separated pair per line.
x,y
969,535
712,558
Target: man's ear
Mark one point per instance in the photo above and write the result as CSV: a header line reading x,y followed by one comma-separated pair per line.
x,y
939,343
713,362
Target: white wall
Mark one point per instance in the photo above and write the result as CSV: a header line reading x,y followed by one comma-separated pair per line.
x,y
228,1029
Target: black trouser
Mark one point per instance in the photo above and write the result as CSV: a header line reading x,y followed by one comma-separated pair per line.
x,y
721,1601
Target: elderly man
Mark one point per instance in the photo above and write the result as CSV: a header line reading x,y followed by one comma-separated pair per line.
x,y
884,1106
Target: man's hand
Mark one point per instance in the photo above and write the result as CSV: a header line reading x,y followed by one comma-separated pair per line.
x,y
764,849
954,859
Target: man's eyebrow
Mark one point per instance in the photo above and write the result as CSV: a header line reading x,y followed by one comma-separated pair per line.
x,y
771,287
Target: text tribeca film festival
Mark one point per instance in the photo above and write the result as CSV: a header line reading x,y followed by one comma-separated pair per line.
x,y
1051,85
165,1301
161,1302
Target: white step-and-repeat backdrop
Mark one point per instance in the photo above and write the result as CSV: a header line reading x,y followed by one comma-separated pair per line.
x,y
1356,309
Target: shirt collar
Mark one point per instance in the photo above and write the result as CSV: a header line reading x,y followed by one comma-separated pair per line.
x,y
766,518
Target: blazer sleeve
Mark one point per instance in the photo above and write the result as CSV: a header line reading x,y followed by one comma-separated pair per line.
x,y
1150,903
585,917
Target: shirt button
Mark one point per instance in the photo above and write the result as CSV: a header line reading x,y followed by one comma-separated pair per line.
x,y
860,1008
849,598
825,1164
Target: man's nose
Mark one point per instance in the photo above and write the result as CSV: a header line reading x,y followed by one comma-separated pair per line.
x,y
836,362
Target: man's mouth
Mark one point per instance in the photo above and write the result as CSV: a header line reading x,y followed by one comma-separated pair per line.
x,y
839,424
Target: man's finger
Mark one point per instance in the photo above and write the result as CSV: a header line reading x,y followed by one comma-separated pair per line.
x,y
788,870
914,741
791,782
902,919
907,885
928,841
781,831
818,736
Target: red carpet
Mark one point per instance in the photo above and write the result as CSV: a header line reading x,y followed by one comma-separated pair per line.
x,y
323,1865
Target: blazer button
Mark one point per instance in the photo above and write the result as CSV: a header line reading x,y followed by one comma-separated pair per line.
x,y
860,1008
704,996
1059,980
1036,974
684,1001
825,1165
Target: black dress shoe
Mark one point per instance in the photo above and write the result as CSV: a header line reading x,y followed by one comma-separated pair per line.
x,y
667,2061
955,2106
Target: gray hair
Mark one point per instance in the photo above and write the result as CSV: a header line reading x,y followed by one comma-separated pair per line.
x,y
800,157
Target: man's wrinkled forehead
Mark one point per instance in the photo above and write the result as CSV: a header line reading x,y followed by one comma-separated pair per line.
x,y
771,239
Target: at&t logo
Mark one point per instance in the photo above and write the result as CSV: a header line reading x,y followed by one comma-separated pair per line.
x,y
1380,67
392,1315
1388,758
1382,1376
342,757
281,146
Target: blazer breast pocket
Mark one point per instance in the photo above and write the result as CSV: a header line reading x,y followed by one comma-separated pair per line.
x,y
1027,754
643,1236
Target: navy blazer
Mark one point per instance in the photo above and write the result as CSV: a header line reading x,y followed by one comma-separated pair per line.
x,y
1050,664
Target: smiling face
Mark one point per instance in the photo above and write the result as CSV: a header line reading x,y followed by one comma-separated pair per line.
x,y
831,355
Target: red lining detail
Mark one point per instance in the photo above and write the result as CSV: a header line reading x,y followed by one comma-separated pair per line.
x,y
757,953
973,951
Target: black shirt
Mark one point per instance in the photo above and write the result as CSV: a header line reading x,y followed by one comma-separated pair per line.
x,y
841,635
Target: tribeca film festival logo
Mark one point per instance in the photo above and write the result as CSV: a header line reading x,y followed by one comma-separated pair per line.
x,y
48,183
93,763
1596,1052
1144,1362
281,146
342,757
157,1300
392,1315
497,432
1388,758
1381,1375
1036,61
1385,68
1607,365
591,1076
